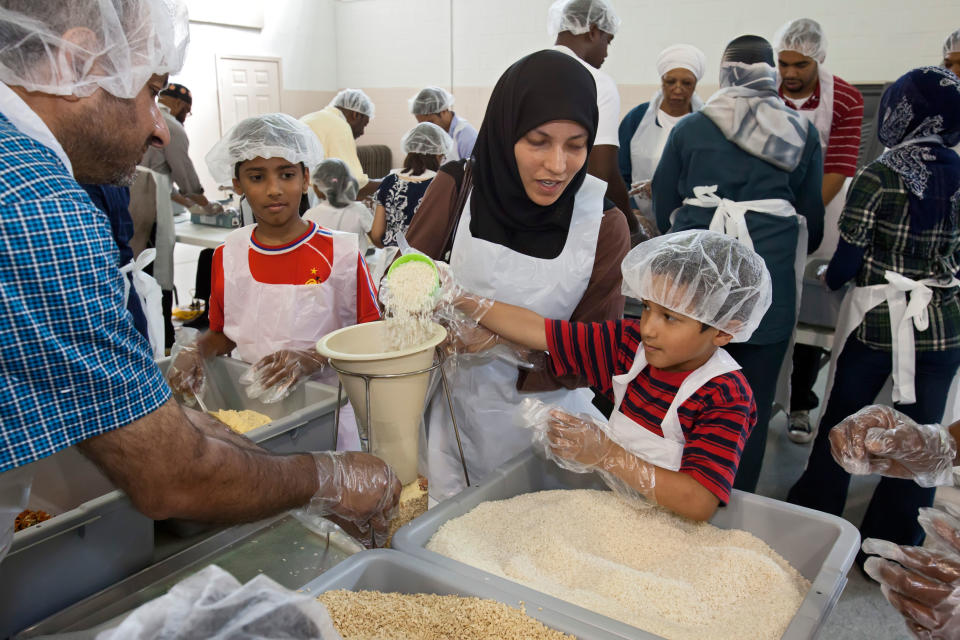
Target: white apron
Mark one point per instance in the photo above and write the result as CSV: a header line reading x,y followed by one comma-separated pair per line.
x,y
14,492
151,298
265,318
730,219
646,147
483,388
454,152
904,316
667,451
166,235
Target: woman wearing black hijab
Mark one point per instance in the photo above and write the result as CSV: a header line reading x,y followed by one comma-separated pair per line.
x,y
526,225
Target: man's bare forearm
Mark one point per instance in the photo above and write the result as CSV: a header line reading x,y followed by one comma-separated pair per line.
x,y
170,468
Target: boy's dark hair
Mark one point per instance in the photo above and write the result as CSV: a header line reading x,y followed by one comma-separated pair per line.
x,y
416,163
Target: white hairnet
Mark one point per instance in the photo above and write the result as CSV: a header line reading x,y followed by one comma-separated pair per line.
x,y
431,100
116,46
354,100
805,36
682,56
271,135
705,275
427,138
576,16
952,43
333,178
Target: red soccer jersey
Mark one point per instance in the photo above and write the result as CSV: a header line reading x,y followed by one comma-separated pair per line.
x,y
716,420
843,146
307,260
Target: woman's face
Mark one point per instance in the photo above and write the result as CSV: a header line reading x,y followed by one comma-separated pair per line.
x,y
548,157
273,187
678,87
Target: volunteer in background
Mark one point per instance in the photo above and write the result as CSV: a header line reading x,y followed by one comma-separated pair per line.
x,y
338,125
951,52
279,285
339,210
644,130
899,238
401,191
835,108
527,226
584,30
73,368
435,105
922,583
749,166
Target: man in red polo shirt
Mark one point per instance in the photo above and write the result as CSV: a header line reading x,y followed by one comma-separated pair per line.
x,y
835,108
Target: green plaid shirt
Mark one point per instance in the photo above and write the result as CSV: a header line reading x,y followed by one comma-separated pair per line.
x,y
876,217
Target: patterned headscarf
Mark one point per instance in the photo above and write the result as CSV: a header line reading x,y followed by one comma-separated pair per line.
x,y
920,120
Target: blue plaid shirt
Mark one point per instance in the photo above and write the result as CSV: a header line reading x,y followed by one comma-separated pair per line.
x,y
72,365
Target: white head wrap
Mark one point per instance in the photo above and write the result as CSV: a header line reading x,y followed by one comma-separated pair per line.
x,y
431,100
952,43
427,138
271,135
682,56
805,36
576,16
116,46
705,275
354,100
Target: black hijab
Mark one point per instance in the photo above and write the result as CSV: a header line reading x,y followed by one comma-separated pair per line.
x,y
542,87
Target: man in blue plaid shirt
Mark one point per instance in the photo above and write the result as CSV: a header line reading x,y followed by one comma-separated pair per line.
x,y
78,87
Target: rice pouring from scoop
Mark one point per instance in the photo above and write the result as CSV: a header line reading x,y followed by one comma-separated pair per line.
x,y
409,300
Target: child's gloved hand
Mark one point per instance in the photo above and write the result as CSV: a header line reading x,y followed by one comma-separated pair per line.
x,y
357,487
577,439
878,439
273,377
922,583
187,372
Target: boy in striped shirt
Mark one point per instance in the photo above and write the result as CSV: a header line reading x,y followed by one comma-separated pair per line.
x,y
682,409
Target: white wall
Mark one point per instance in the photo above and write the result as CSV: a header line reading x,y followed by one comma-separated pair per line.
x,y
301,32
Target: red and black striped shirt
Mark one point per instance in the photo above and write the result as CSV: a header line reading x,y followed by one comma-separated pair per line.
x,y
716,420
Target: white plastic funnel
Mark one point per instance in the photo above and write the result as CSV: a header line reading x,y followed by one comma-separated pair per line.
x,y
396,404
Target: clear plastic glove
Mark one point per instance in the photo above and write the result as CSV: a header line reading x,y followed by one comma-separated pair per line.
x,y
213,208
357,487
187,372
273,377
580,444
453,297
879,439
641,189
923,584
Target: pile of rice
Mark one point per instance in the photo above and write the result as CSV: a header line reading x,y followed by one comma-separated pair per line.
x,y
373,615
647,568
409,301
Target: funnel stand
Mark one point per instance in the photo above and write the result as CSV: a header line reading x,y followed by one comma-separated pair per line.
x,y
367,377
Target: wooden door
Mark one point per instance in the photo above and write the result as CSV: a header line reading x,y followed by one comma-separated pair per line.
x,y
247,87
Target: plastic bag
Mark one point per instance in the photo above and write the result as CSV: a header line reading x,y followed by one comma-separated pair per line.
x,y
213,605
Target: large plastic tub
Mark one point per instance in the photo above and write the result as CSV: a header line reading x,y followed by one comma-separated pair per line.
x,y
820,546
303,421
95,538
391,571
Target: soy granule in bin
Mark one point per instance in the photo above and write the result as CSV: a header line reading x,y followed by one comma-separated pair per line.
x,y
645,567
374,615
409,301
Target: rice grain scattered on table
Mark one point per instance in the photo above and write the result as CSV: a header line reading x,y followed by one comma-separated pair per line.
x,y
645,567
374,615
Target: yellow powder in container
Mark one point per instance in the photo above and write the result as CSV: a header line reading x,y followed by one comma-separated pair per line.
x,y
241,421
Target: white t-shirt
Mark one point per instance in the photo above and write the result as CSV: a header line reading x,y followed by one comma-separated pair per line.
x,y
608,102
354,218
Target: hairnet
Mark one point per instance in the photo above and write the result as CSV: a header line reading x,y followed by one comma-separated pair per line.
x,y
271,135
427,138
681,56
952,43
805,36
334,179
431,100
117,45
354,100
576,16
705,275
